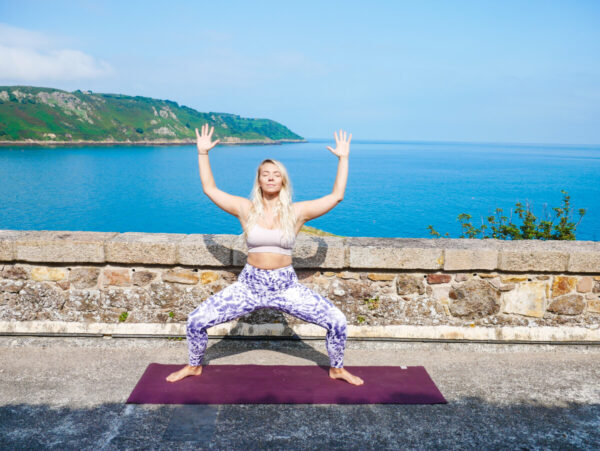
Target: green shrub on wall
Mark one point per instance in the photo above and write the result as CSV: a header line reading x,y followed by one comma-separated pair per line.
x,y
503,228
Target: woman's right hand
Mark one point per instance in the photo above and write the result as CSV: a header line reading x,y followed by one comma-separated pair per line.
x,y
203,142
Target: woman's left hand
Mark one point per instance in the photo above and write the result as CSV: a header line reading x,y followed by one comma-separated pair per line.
x,y
342,148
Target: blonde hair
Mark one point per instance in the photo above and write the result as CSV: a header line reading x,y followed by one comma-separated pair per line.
x,y
284,210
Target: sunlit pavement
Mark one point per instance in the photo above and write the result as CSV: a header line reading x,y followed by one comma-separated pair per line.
x,y
70,393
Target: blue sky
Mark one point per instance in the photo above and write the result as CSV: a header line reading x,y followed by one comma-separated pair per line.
x,y
505,71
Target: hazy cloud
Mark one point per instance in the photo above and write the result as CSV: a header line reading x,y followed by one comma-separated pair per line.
x,y
29,56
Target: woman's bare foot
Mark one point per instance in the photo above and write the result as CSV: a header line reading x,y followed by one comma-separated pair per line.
x,y
185,372
342,373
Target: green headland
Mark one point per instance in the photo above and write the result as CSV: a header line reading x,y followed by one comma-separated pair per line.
x,y
47,116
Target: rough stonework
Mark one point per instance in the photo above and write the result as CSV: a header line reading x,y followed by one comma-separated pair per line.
x,y
160,278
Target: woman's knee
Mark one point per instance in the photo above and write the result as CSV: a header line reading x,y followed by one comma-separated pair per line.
x,y
223,306
200,317
194,325
337,317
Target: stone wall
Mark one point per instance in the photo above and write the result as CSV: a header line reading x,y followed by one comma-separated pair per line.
x,y
110,283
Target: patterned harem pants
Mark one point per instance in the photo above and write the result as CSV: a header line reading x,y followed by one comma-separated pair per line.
x,y
267,288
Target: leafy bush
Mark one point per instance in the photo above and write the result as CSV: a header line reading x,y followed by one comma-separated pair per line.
x,y
503,228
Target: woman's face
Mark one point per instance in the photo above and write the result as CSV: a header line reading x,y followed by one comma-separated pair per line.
x,y
269,178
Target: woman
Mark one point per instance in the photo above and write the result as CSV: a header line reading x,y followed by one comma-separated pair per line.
x,y
271,222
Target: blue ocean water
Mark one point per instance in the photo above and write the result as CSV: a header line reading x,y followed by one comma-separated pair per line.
x,y
395,189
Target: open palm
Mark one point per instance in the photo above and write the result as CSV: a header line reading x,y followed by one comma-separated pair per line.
x,y
204,140
342,144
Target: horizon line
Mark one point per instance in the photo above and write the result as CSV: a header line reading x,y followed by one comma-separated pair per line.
x,y
422,141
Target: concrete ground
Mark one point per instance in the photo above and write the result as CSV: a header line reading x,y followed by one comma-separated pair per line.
x,y
70,393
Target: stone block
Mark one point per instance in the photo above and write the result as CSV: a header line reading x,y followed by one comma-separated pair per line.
x,y
570,304
511,279
143,277
407,284
533,260
59,246
380,276
116,276
319,252
474,299
507,287
178,275
438,278
470,259
15,272
441,293
527,299
208,277
84,277
585,261
395,253
41,273
563,285
7,244
585,285
206,250
593,306
143,248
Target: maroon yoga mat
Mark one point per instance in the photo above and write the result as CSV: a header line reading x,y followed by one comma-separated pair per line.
x,y
282,384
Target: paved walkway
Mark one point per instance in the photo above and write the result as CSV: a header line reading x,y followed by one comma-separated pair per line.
x,y
69,393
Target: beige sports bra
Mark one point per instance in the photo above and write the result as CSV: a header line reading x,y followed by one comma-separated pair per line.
x,y
267,240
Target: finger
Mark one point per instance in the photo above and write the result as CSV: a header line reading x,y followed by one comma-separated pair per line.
x,y
197,134
350,138
345,137
212,129
330,148
204,129
336,137
217,141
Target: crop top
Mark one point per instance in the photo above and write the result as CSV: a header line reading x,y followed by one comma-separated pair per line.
x,y
267,240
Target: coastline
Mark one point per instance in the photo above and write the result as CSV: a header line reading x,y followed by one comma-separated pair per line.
x,y
161,142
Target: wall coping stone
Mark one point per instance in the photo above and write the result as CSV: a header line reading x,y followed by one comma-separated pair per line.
x,y
562,334
223,250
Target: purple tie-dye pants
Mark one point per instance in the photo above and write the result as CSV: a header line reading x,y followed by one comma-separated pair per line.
x,y
267,288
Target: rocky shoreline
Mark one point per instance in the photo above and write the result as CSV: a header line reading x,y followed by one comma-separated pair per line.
x,y
158,142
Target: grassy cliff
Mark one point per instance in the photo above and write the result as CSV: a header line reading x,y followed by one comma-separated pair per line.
x,y
46,115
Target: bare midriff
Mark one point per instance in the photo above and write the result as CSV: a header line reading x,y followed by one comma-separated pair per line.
x,y
269,260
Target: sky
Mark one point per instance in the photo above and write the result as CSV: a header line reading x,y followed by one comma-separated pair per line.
x,y
470,71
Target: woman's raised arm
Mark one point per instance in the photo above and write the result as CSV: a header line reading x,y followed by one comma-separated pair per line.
x,y
312,209
231,204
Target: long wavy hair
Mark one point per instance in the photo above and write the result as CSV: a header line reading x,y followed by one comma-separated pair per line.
x,y
284,211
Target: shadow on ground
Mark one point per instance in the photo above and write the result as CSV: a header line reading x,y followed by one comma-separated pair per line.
x,y
465,423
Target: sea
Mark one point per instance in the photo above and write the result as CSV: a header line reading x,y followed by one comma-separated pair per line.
x,y
394,188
